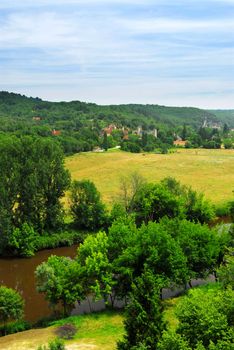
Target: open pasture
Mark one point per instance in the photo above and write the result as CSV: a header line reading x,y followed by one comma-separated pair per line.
x,y
207,171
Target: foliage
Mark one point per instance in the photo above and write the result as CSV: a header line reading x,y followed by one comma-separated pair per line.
x,y
60,279
228,144
169,198
226,270
66,331
14,327
93,257
33,180
105,142
121,234
153,247
22,241
59,239
206,317
117,212
195,206
231,210
11,305
144,322
80,125
153,201
172,341
129,188
201,245
56,344
86,207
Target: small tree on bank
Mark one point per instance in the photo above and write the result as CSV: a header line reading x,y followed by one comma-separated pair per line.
x,y
60,279
11,305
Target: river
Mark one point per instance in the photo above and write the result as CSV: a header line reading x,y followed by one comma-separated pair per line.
x,y
19,274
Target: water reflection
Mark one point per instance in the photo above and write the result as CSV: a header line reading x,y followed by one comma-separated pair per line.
x,y
19,274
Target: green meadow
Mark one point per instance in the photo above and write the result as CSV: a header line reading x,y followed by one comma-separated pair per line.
x,y
205,170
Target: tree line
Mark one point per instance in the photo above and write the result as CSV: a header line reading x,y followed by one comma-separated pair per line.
x,y
80,125
34,180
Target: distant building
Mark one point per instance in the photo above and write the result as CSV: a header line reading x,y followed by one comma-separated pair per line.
x,y
98,149
139,132
153,132
56,132
109,129
125,134
211,125
180,143
37,118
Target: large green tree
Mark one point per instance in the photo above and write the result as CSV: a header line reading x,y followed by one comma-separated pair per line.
x,y
93,257
86,207
144,321
153,201
201,245
33,180
153,247
43,182
9,186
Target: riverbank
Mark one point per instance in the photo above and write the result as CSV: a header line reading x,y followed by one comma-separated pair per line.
x,y
99,331
18,273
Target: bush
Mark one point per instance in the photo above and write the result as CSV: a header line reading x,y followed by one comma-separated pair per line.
x,y
66,331
22,241
15,327
62,239
222,210
11,306
56,344
206,317
231,210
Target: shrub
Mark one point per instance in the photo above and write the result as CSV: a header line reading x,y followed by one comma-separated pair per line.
x,y
56,344
15,327
66,331
11,305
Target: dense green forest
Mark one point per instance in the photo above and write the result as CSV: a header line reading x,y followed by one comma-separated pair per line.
x,y
225,116
80,126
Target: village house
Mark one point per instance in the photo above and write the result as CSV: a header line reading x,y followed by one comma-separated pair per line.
x,y
56,132
179,143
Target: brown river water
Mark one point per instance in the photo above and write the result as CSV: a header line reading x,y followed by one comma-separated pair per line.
x,y
19,274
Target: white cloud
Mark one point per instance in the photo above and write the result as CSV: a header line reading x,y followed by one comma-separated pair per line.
x,y
168,25
109,56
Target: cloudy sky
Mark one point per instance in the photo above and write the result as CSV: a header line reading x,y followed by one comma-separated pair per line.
x,y
170,52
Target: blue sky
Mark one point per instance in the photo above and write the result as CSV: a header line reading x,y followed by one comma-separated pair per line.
x,y
164,52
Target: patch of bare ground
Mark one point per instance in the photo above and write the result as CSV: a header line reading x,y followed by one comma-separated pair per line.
x,y
28,340
82,346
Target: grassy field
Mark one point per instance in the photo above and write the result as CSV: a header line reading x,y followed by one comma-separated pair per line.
x,y
208,171
98,331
